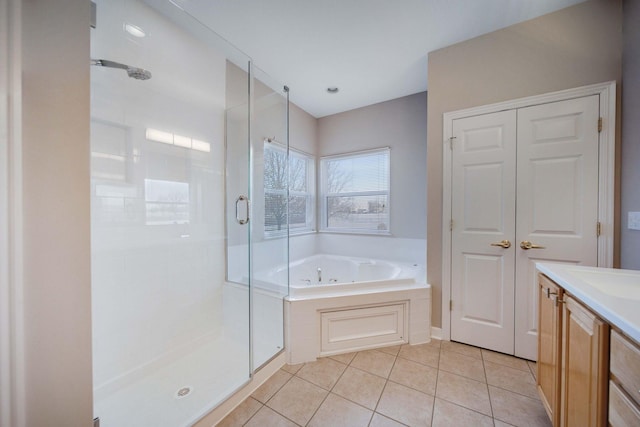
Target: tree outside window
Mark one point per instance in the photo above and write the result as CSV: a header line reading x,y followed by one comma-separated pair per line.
x,y
298,206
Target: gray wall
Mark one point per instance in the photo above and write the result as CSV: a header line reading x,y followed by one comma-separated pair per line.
x,y
573,47
399,124
630,186
269,121
303,130
56,214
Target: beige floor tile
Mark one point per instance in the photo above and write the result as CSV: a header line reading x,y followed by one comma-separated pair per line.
x,y
426,354
406,405
447,414
374,361
465,349
435,343
463,391
242,413
360,387
345,358
267,417
511,379
299,394
293,369
458,363
382,421
323,372
271,386
505,359
533,367
298,400
393,350
336,411
516,409
415,375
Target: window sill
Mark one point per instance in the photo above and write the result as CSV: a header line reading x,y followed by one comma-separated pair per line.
x,y
273,236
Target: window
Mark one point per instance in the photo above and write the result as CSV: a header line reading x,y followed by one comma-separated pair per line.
x,y
355,192
301,191
166,202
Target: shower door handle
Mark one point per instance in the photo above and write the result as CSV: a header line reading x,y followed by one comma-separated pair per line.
x,y
247,202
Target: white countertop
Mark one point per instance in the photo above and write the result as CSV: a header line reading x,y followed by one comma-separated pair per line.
x,y
611,293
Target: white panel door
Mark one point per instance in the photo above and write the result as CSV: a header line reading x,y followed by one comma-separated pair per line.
x,y
483,214
557,203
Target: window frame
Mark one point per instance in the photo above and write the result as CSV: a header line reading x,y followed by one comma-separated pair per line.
x,y
309,194
324,196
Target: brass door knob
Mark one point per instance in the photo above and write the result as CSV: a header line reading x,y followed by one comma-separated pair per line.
x,y
505,244
526,245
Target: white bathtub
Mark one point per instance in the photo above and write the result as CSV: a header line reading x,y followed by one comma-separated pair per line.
x,y
351,304
326,275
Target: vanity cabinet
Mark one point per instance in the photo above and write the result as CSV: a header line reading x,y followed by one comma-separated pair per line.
x,y
585,356
624,384
572,359
549,346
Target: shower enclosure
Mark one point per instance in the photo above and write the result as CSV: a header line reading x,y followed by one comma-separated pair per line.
x,y
178,120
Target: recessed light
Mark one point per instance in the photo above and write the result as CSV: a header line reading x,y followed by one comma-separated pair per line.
x,y
332,89
134,30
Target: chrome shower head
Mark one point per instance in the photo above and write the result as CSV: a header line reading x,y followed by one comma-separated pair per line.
x,y
139,73
136,73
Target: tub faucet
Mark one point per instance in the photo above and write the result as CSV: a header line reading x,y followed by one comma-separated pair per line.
x,y
319,275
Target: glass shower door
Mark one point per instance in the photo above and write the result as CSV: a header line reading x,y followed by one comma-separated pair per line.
x,y
258,268
270,230
171,338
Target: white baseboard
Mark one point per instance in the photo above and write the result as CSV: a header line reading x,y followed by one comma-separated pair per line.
x,y
436,333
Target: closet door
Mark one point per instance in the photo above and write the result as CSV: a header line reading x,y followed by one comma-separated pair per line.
x,y
557,200
483,214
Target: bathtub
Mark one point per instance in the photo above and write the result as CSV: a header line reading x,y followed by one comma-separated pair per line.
x,y
332,275
340,304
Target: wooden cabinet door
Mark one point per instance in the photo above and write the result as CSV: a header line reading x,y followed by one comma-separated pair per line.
x,y
549,346
585,367
622,411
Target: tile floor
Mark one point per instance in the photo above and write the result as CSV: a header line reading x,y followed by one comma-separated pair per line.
x,y
437,384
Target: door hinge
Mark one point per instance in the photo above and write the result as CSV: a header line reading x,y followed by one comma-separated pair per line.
x,y
599,124
450,305
598,229
93,19
451,142
450,225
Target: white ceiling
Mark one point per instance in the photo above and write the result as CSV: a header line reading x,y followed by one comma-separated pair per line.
x,y
373,50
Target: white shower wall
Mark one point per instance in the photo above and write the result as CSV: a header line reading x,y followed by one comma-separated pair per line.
x,y
157,284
